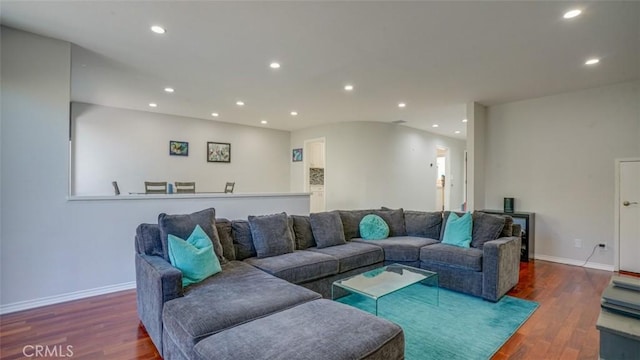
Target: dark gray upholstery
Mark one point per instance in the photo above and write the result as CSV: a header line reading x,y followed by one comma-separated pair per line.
x,y
327,229
316,330
454,256
395,220
423,224
501,267
507,231
465,281
238,294
297,267
271,235
302,231
323,285
400,248
182,226
353,255
146,235
351,222
242,239
226,238
486,227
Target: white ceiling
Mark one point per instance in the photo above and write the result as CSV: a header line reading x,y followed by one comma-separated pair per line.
x,y
435,56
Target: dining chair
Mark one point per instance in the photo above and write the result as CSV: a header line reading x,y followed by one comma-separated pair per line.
x,y
155,187
116,189
185,187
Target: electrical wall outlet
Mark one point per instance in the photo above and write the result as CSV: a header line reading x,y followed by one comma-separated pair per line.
x,y
577,243
603,246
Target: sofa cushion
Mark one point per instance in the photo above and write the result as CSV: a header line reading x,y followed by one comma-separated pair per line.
x,y
303,233
351,222
400,248
353,255
453,256
327,229
194,256
373,227
240,293
226,238
242,239
486,227
182,225
459,230
423,224
271,235
316,330
297,267
507,230
148,240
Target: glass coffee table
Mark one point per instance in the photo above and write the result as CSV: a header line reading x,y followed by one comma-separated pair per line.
x,y
377,283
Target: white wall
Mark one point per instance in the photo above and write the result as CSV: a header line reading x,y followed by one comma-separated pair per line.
x,y
54,249
133,146
371,164
555,155
476,148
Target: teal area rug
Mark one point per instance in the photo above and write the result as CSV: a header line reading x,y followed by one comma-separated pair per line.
x,y
457,326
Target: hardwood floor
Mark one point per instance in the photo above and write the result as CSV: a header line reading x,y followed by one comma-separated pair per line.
x,y
107,326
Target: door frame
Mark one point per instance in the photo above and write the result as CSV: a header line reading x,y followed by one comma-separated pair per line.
x,y
616,216
305,165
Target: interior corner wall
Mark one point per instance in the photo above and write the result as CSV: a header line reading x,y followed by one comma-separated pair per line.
x,y
555,155
372,164
132,147
476,153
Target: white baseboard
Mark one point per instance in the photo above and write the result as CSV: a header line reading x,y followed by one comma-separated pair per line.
x,y
561,260
56,299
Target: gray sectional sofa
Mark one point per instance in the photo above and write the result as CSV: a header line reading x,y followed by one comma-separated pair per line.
x,y
272,289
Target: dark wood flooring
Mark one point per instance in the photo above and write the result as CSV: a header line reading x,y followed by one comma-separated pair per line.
x,y
107,326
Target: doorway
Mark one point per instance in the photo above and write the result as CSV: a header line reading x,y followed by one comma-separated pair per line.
x,y
314,173
442,179
628,214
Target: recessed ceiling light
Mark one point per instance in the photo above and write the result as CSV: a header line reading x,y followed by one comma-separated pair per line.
x,y
158,29
435,125
457,132
401,105
214,114
240,103
153,105
572,13
464,120
592,61
274,65
169,89
263,122
348,87
294,113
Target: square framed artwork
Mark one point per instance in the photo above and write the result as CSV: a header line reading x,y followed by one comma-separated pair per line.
x,y
296,155
218,152
178,148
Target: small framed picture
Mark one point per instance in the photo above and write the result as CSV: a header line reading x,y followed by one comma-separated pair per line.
x,y
218,152
179,148
296,155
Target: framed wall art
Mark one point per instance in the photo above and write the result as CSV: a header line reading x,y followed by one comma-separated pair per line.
x,y
179,148
296,155
218,152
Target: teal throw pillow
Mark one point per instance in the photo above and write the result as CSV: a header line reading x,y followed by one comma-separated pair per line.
x,y
373,227
194,257
458,230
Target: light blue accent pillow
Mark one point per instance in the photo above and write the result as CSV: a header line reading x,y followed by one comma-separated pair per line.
x,y
373,227
194,257
458,230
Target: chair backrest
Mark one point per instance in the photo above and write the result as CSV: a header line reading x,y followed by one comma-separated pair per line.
x,y
116,189
228,188
185,187
155,187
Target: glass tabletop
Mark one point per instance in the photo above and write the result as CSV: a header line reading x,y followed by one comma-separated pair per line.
x,y
385,280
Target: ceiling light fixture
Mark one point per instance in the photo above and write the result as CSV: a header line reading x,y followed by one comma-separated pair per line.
x,y
240,103
153,105
435,125
294,113
592,61
348,87
457,132
263,122
169,89
572,13
158,29
464,120
214,114
274,65
401,105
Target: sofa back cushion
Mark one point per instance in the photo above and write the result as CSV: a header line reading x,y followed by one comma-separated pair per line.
x,y
271,235
486,227
242,239
226,238
351,222
327,229
423,224
182,226
507,230
395,220
302,232
148,240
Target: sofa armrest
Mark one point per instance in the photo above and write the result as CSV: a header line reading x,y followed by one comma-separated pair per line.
x,y
500,267
156,283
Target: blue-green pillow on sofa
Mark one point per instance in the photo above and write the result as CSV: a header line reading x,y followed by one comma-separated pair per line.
x,y
194,257
373,227
458,230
